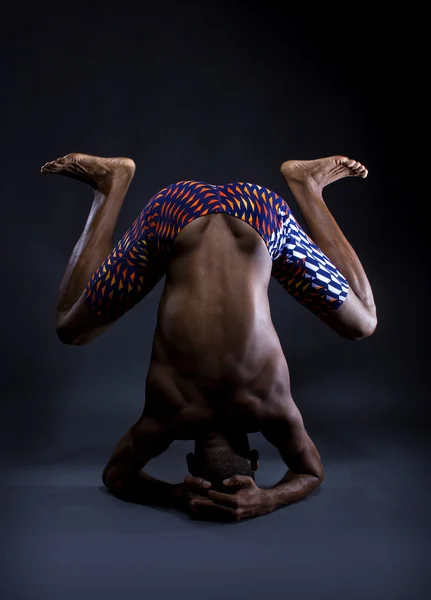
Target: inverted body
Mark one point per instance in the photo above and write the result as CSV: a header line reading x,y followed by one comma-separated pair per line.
x,y
216,358
217,368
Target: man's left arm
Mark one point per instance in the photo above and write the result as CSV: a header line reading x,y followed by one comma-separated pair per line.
x,y
305,473
300,455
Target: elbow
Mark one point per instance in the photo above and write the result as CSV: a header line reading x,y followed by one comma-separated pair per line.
x,y
319,474
112,482
107,478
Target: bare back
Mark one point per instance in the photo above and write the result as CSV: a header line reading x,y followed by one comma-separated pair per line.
x,y
216,356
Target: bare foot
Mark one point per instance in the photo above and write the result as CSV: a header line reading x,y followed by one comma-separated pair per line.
x,y
100,173
321,172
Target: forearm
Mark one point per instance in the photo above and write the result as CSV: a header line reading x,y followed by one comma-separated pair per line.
x,y
141,488
292,488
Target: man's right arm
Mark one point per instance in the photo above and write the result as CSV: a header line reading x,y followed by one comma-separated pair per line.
x,y
299,453
123,475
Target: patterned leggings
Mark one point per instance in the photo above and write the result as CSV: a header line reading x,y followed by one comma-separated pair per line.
x,y
140,258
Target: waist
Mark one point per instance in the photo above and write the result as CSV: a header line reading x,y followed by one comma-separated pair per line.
x,y
214,318
208,370
210,335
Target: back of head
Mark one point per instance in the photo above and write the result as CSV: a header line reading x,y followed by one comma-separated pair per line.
x,y
218,457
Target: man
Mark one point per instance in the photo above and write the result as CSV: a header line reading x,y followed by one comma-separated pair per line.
x,y
217,368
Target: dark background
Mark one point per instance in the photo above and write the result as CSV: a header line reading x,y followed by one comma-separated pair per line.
x,y
218,92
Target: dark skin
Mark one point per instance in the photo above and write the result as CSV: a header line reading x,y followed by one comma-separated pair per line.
x,y
217,368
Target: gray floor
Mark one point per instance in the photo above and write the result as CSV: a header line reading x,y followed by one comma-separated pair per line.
x,y
363,536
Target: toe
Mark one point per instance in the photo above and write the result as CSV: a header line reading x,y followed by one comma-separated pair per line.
x,y
50,167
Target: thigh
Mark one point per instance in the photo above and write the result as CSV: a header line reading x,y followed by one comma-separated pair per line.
x,y
304,271
126,276
114,289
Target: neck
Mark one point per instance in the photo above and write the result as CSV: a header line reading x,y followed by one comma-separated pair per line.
x,y
236,442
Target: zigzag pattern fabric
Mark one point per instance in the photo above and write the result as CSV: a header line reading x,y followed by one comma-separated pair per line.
x,y
140,258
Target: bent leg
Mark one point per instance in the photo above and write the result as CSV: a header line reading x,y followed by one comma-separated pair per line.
x,y
101,282
110,179
355,316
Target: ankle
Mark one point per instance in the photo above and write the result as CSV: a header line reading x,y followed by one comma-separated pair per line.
x,y
307,187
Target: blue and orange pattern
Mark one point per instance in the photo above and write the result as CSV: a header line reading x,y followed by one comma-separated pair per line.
x,y
141,257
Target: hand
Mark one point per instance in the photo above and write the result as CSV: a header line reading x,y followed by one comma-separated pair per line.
x,y
248,501
192,488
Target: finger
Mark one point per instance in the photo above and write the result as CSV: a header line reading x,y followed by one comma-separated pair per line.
x,y
239,480
48,166
205,506
224,499
196,483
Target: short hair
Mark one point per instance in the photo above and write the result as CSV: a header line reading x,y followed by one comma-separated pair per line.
x,y
217,464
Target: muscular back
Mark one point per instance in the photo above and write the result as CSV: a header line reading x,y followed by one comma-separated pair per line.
x,y
216,356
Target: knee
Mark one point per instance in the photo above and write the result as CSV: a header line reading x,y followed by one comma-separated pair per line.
x,y
69,337
65,337
364,328
63,330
